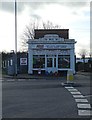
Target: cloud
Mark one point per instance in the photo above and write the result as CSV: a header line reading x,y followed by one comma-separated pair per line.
x,y
34,4
7,6
10,6
35,16
75,4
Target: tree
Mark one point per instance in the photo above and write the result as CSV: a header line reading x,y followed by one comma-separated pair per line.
x,y
50,25
83,53
90,54
29,31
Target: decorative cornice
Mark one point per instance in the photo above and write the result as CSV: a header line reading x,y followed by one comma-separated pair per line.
x,y
51,39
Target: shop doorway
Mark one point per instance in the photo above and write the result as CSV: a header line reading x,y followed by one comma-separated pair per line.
x,y
51,64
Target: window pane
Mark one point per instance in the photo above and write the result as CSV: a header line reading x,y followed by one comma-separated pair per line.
x,y
4,64
39,61
8,63
59,61
54,62
11,62
49,62
64,61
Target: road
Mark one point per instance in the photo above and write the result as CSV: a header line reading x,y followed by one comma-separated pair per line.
x,y
24,98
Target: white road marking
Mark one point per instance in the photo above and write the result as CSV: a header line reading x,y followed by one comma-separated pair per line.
x,y
69,87
10,80
84,112
75,93
81,100
78,96
21,79
72,90
83,106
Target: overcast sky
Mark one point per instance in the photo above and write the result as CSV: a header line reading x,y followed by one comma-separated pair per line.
x,y
71,15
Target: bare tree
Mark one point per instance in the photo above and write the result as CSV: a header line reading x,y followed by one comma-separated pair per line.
x,y
29,31
28,34
90,54
83,53
50,25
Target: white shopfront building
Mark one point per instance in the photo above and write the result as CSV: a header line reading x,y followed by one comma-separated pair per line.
x,y
51,54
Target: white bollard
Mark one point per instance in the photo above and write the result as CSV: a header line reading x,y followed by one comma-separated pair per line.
x,y
70,77
39,71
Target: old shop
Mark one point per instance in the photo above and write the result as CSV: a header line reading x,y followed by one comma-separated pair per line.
x,y
52,52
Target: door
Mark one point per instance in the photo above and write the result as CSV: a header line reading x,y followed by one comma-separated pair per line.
x,y
51,64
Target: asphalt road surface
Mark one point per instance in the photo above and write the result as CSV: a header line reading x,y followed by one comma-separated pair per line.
x,y
24,98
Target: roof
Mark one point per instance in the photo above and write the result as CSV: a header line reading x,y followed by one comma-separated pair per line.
x,y
63,33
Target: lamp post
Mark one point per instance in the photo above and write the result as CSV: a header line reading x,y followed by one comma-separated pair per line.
x,y
83,57
15,37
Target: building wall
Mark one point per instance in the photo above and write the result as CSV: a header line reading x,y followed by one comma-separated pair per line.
x,y
51,46
8,63
63,33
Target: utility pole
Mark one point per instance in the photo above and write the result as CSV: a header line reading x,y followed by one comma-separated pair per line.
x,y
15,37
83,57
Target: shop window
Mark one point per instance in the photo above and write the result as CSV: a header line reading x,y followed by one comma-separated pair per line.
x,y
64,61
11,62
4,64
8,63
49,62
59,61
38,61
54,62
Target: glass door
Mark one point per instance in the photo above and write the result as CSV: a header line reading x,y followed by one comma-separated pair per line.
x,y
51,64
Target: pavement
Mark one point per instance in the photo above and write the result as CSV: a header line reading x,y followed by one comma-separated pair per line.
x,y
79,78
27,76
84,73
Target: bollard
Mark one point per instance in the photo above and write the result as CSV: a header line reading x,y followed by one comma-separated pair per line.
x,y
39,72
70,77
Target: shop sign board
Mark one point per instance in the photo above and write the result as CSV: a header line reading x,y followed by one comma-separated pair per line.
x,y
51,46
23,61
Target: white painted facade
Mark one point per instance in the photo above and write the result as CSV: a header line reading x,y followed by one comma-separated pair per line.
x,y
54,51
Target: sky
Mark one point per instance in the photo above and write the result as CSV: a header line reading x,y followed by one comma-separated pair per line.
x,y
72,15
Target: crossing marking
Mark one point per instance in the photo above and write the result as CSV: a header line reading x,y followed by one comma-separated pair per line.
x,y
81,100
72,90
75,93
83,109
69,87
78,96
83,106
84,112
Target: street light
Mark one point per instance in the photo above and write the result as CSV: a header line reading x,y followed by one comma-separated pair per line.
x,y
15,37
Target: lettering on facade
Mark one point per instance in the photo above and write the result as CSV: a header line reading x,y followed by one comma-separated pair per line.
x,y
51,52
51,46
40,46
56,46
